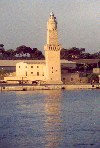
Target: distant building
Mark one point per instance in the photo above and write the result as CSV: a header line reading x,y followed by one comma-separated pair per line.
x,y
96,70
99,78
10,65
86,61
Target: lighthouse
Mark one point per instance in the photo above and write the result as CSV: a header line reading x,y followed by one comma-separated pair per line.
x,y
52,52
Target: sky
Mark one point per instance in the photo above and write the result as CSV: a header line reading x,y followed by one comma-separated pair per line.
x,y
23,22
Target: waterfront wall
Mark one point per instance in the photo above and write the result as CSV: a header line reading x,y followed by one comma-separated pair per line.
x,y
48,87
88,86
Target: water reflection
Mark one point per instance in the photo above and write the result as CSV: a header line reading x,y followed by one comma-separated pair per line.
x,y
42,115
53,119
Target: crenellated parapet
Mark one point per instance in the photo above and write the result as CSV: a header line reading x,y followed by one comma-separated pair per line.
x,y
52,47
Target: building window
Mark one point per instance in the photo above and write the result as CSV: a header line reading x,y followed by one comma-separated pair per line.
x,y
37,73
19,66
31,66
52,67
26,66
37,66
52,71
43,74
71,79
51,78
64,80
26,73
31,72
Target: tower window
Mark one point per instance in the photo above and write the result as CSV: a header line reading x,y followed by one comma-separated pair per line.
x,y
19,66
31,66
37,73
37,66
26,66
52,71
52,67
31,72
71,79
26,73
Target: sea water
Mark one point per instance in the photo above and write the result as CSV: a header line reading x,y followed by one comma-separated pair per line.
x,y
50,119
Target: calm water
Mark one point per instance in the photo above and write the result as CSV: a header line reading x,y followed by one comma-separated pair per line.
x,y
50,119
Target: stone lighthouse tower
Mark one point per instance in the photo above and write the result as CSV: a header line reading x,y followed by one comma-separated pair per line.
x,y
52,52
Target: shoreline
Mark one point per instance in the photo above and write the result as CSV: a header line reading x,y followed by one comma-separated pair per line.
x,y
47,87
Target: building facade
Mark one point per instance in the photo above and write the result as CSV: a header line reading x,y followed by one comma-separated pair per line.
x,y
30,71
96,71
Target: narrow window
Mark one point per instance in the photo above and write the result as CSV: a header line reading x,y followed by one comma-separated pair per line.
x,y
26,73
26,66
19,66
31,66
71,79
52,67
37,66
37,73
31,72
